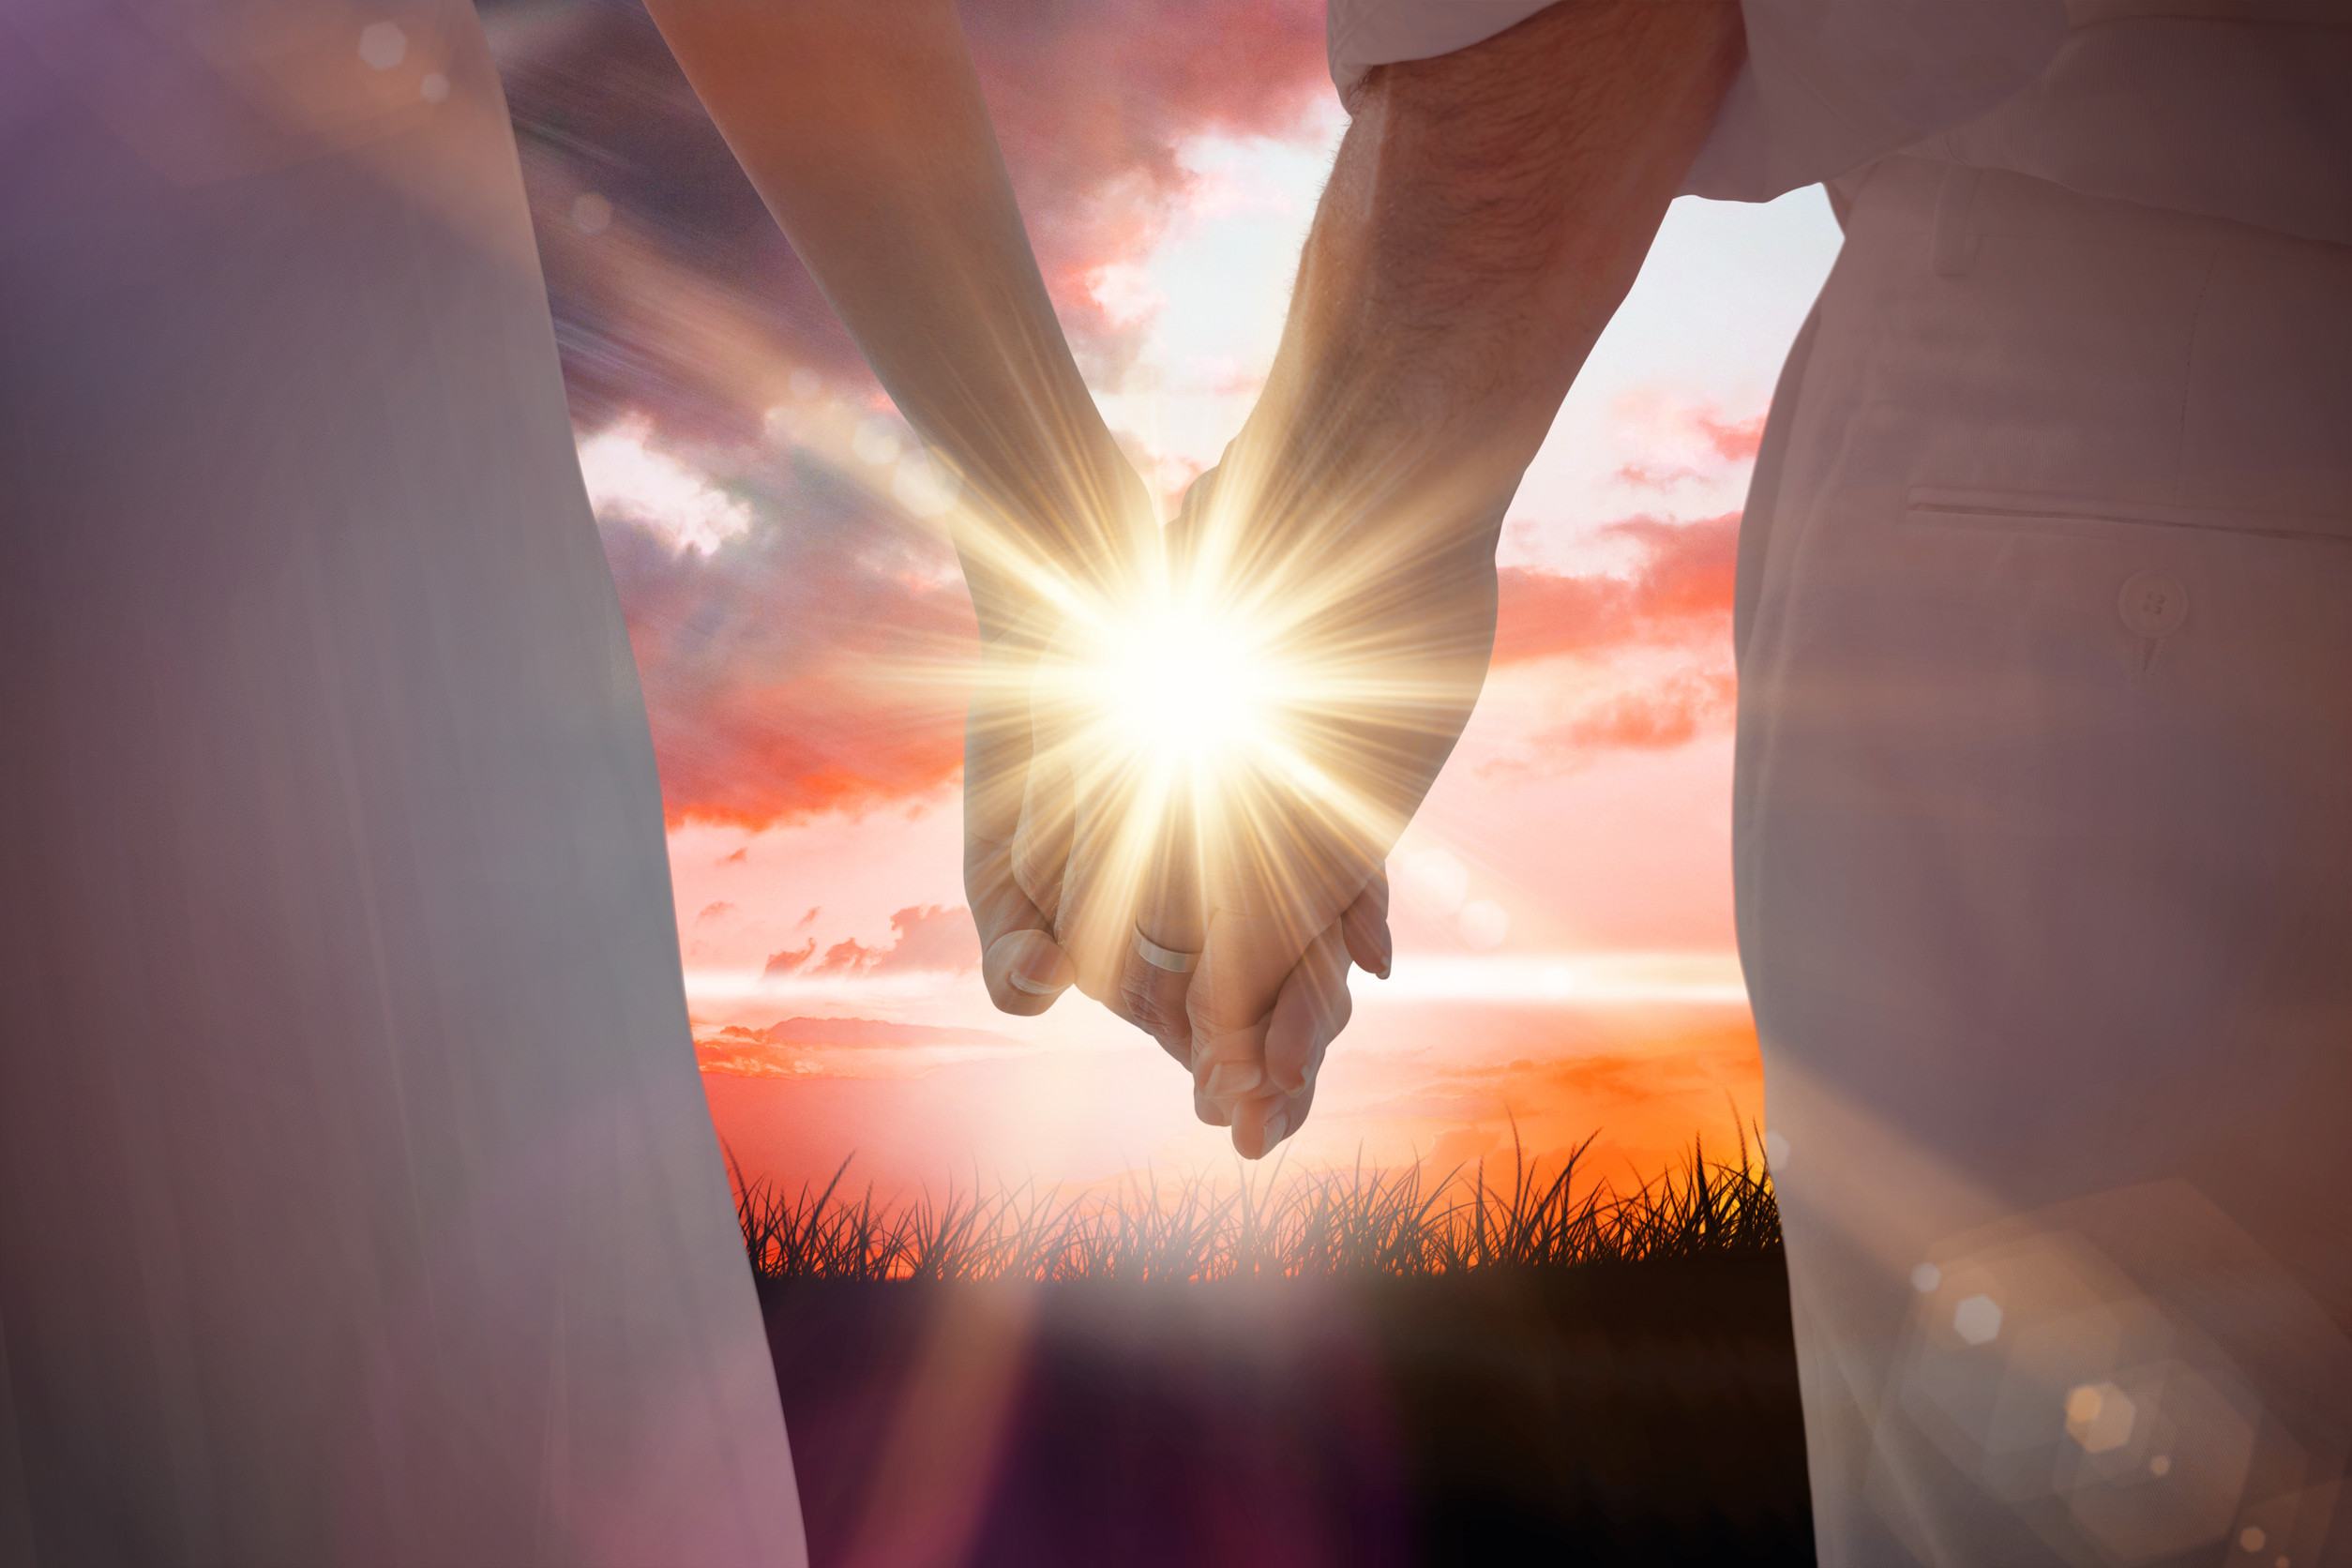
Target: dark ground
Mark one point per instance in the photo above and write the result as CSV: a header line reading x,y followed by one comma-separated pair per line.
x,y
1618,1413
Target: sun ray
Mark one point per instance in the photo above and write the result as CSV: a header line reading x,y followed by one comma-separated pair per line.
x,y
1243,708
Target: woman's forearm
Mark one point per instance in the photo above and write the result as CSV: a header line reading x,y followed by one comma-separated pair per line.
x,y
861,124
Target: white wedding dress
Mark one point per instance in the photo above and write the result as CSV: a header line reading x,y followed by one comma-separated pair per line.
x,y
358,1199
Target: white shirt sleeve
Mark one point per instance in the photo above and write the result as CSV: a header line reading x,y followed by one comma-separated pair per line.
x,y
1829,84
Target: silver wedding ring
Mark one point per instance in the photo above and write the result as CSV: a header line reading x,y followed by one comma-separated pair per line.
x,y
1163,957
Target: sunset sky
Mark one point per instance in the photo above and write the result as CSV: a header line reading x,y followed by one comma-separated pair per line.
x,y
1563,904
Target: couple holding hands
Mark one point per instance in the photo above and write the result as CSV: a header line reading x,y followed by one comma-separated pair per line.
x,y
2041,852
358,1201
1326,598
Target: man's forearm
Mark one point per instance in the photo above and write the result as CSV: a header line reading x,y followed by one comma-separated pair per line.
x,y
863,127
1488,212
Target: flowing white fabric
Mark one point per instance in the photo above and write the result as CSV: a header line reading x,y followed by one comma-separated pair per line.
x,y
358,1199
2043,836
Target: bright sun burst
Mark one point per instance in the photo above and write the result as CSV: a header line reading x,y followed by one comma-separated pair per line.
x,y
1183,688
1204,721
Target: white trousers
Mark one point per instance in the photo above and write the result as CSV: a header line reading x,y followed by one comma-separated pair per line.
x,y
358,1199
2044,842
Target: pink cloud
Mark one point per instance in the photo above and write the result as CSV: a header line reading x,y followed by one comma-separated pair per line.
x,y
924,938
1678,592
1676,599
1093,104
801,1048
848,958
799,668
1653,717
933,938
1685,441
1638,475
1735,439
790,961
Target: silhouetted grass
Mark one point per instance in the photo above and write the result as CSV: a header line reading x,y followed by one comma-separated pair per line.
x,y
1326,1225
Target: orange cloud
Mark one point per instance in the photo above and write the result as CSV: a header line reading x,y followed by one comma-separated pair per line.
x,y
920,1106
1640,1097
1459,1146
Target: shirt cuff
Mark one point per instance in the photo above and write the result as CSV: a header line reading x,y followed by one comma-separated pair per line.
x,y
1828,84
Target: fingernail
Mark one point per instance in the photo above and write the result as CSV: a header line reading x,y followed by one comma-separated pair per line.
x,y
1229,1079
1275,1126
1040,971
